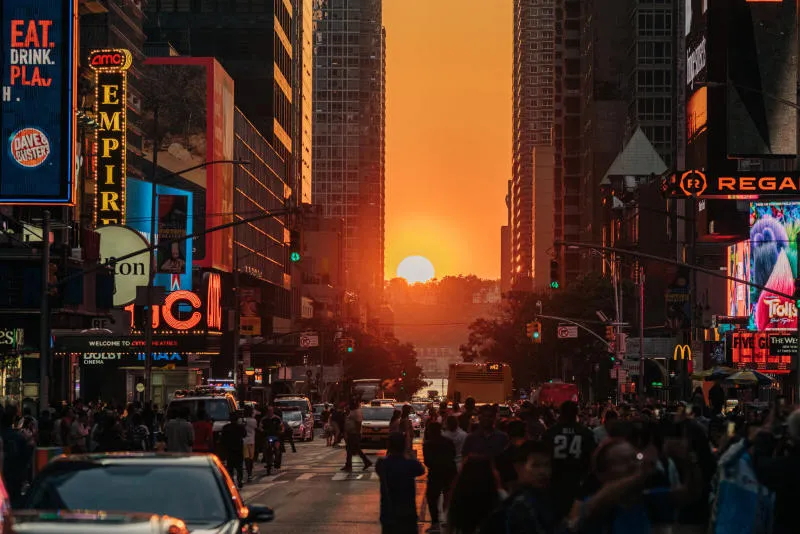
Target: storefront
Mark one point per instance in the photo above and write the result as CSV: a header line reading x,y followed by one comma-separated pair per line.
x,y
112,369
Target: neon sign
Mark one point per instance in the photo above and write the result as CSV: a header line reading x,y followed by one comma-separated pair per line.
x,y
110,103
175,320
696,183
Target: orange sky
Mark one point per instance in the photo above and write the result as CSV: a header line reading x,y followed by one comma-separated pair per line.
x,y
448,132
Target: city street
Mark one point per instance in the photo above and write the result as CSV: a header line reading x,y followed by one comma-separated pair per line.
x,y
311,495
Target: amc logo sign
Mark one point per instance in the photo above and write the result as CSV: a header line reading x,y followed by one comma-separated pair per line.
x,y
182,321
115,59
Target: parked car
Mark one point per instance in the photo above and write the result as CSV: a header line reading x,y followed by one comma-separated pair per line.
x,y
194,488
40,522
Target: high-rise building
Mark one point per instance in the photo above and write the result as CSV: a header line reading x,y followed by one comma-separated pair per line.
x,y
251,42
567,130
349,130
533,86
303,89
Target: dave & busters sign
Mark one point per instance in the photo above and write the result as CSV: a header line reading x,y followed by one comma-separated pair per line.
x,y
37,101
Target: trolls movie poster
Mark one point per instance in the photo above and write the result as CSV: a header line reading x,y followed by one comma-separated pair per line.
x,y
773,263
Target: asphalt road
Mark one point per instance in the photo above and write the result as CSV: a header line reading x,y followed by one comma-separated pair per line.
x,y
311,495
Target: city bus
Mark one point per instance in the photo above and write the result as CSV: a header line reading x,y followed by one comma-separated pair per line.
x,y
367,388
484,382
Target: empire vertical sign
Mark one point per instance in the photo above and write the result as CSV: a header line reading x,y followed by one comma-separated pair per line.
x,y
110,74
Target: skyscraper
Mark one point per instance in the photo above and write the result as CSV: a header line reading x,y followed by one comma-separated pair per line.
x,y
533,79
303,92
253,45
349,134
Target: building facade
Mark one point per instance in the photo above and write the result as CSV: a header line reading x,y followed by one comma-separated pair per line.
x,y
349,135
533,108
303,96
264,80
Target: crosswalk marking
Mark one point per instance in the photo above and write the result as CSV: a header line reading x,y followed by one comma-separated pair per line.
x,y
306,476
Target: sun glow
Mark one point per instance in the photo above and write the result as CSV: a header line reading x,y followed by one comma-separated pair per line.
x,y
416,269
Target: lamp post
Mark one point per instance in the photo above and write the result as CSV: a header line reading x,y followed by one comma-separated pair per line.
x,y
44,319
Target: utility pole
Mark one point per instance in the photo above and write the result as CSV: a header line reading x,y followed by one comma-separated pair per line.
x,y
641,336
238,377
149,315
44,319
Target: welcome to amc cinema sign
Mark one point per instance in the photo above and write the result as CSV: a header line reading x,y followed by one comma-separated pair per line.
x,y
749,185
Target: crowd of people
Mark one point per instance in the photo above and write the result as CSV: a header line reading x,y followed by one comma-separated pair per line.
x,y
683,468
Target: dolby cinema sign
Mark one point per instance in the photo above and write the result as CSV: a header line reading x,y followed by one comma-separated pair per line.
x,y
744,185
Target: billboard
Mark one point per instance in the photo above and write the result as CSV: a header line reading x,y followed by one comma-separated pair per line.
x,y
773,259
110,107
762,78
739,267
195,126
696,71
119,241
38,99
175,219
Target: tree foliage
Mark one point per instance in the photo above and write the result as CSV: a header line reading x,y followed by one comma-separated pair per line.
x,y
503,337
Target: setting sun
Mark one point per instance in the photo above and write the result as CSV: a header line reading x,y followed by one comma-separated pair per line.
x,y
416,269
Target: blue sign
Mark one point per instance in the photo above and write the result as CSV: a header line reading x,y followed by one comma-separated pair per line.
x,y
138,209
37,118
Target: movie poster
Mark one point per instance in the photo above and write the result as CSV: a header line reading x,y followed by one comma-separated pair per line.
x,y
773,263
172,219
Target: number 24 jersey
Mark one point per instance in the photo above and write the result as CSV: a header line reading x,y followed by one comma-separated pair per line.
x,y
573,445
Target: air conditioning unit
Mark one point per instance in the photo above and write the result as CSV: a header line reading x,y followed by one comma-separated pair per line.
x,y
76,254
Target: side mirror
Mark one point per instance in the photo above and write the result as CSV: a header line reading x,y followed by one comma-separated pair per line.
x,y
259,514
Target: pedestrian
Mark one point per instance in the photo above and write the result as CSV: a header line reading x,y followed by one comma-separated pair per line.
x,y
439,455
140,434
353,438
572,445
203,430
476,493
250,426
465,417
17,456
456,434
178,431
397,474
407,428
394,422
528,509
288,435
486,440
504,462
232,441
610,418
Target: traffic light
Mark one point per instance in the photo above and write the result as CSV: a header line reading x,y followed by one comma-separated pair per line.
x,y
347,344
534,331
294,246
610,334
554,272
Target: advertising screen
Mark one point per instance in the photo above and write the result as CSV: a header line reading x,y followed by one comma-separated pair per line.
x,y
739,267
773,260
195,126
762,78
38,120
174,215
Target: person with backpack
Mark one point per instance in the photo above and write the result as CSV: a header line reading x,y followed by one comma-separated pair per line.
x,y
397,474
439,455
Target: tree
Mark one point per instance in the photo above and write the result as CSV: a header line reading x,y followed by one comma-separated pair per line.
x,y
503,338
385,358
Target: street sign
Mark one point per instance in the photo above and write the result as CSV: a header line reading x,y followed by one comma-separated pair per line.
x,y
309,340
567,332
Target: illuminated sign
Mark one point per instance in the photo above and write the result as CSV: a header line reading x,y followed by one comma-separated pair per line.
x,y
696,183
119,241
752,350
38,101
184,311
682,352
773,227
110,104
738,296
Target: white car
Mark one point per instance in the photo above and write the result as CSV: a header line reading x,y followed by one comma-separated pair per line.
x,y
301,429
416,420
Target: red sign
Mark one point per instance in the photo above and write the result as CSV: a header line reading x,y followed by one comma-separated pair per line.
x,y
751,350
175,319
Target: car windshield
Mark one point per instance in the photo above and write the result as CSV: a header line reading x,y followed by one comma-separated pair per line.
x,y
303,405
292,415
319,408
216,409
377,414
134,488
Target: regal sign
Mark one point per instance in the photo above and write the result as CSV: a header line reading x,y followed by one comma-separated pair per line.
x,y
110,103
699,184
